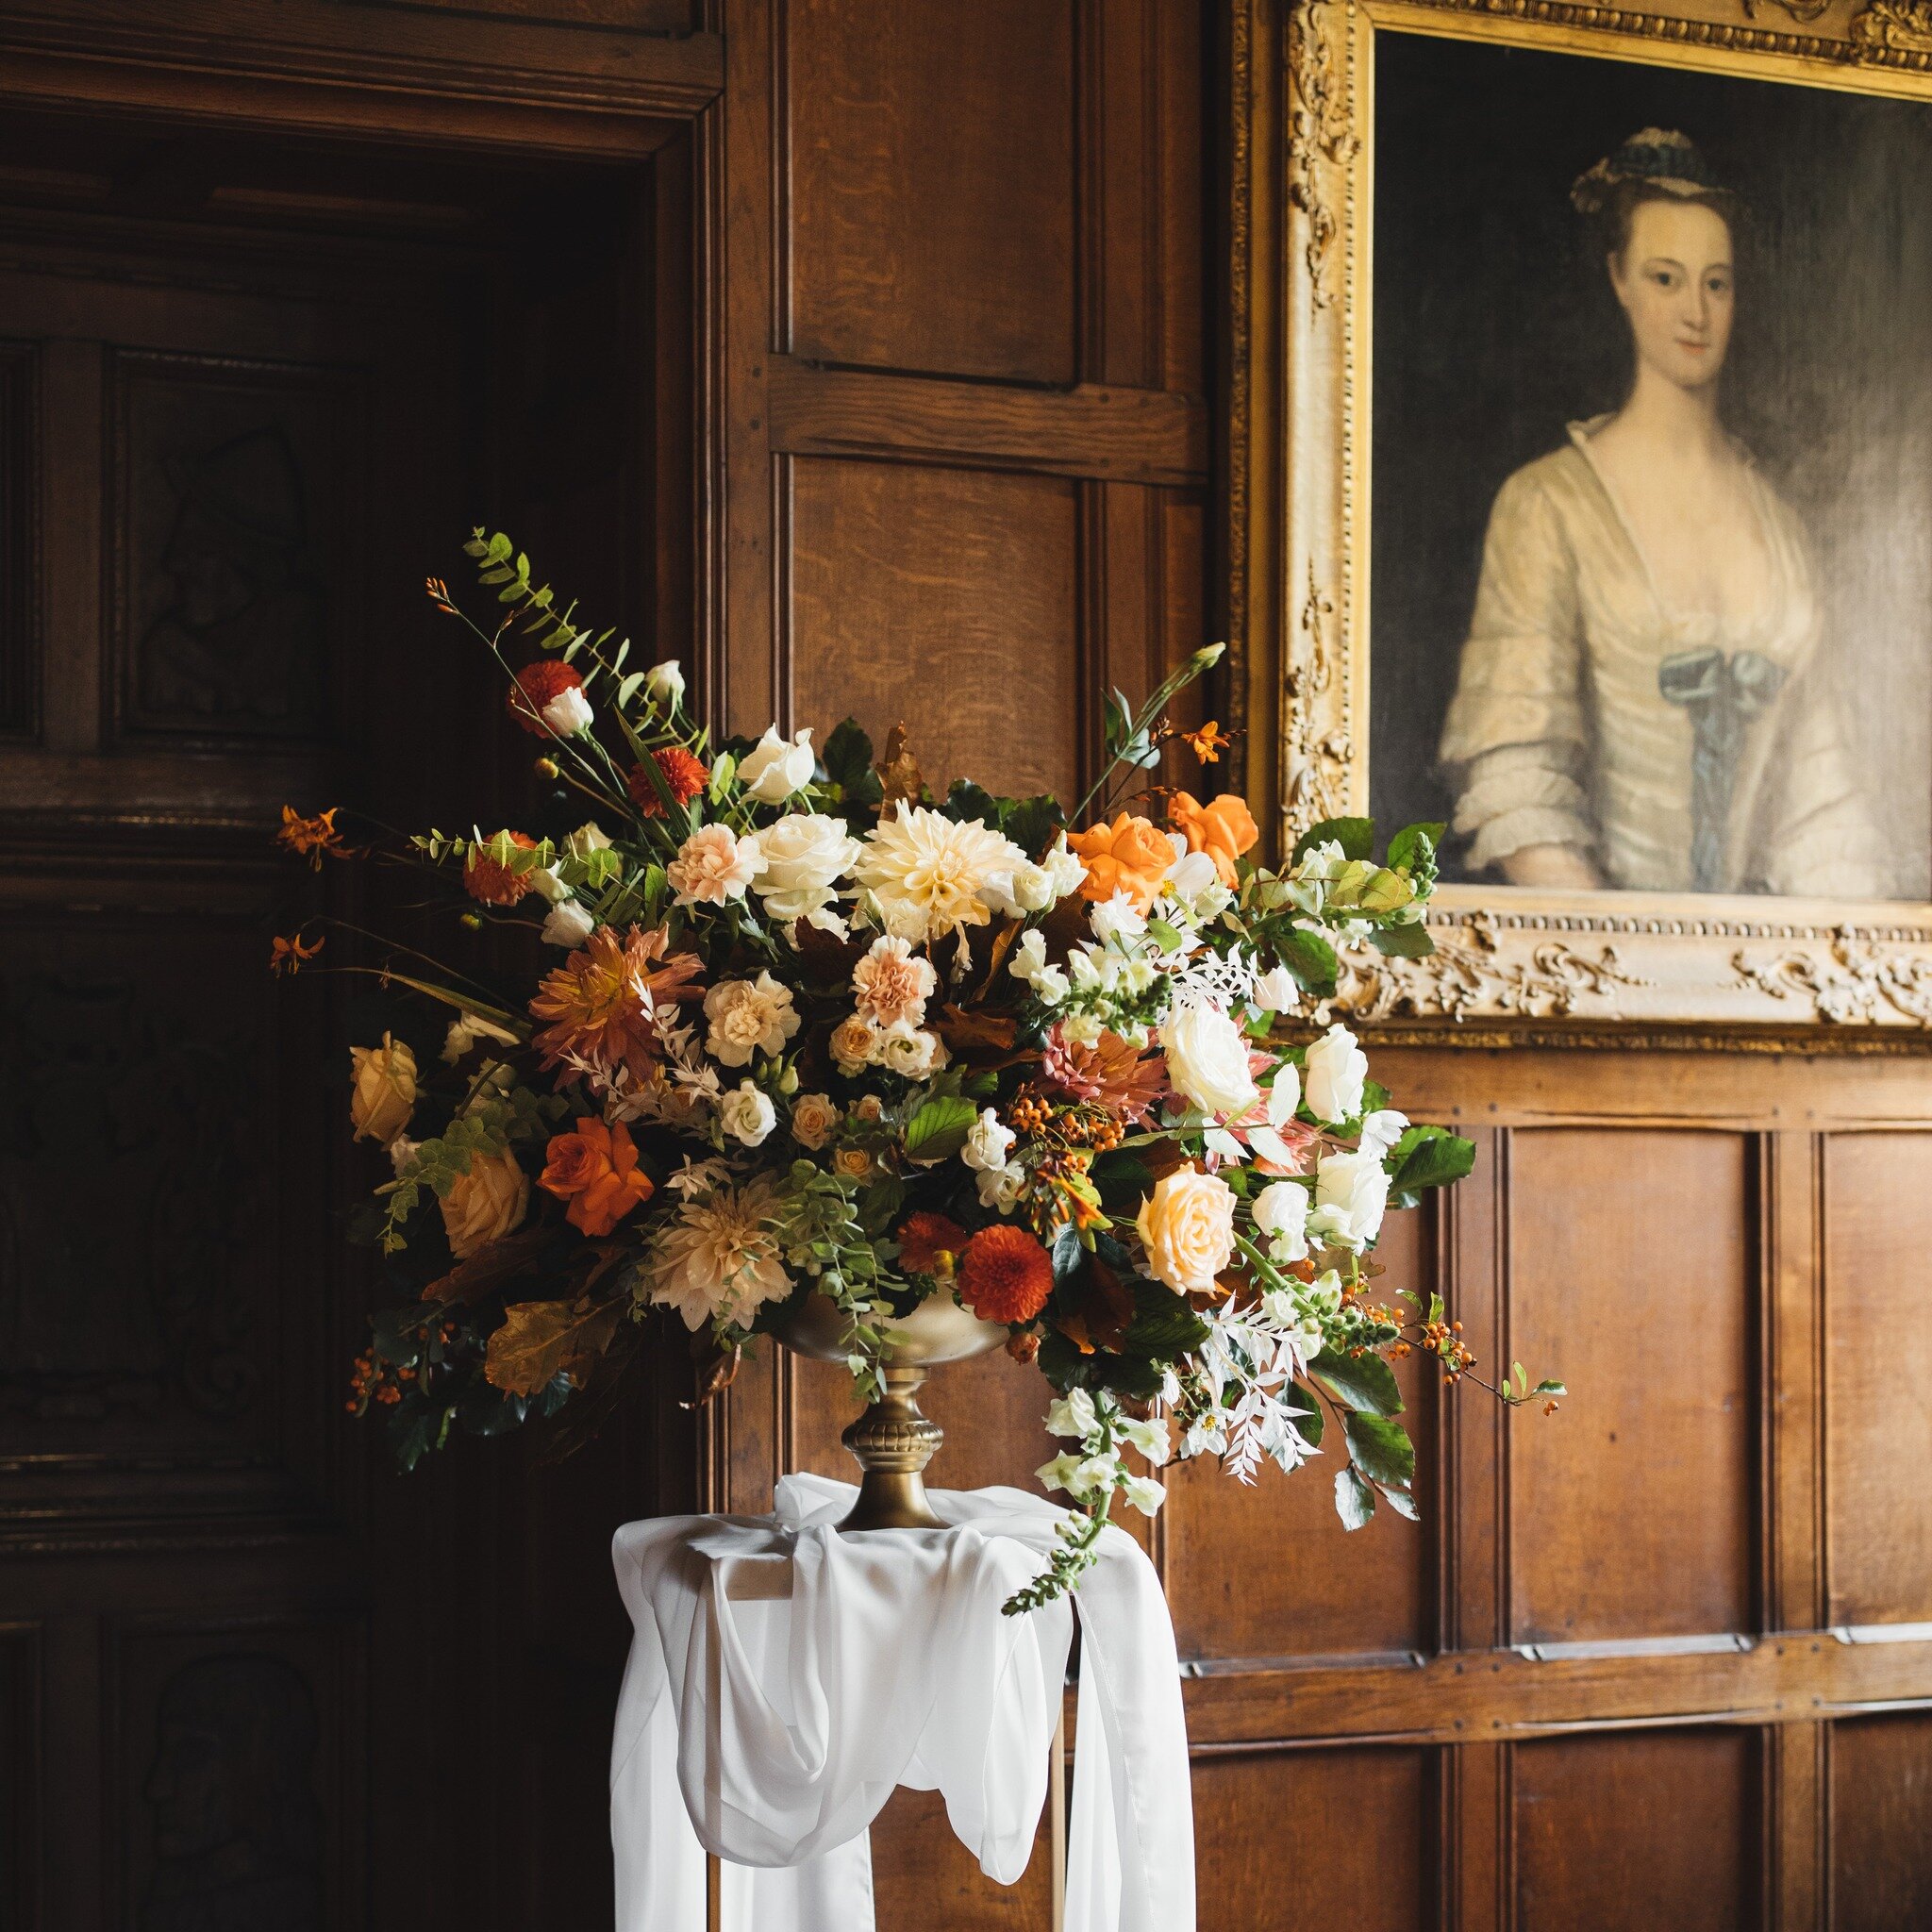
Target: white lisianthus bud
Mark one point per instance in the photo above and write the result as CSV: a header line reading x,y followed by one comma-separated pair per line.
x,y
568,925
664,683
1334,1070
1281,1212
747,1114
569,712
549,885
777,767
1208,1058
988,1144
1351,1194
1276,992
1381,1130
1072,1415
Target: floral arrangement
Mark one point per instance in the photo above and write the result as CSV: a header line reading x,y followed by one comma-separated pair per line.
x,y
810,1028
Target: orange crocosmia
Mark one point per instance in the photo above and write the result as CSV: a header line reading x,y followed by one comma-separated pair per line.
x,y
925,1236
1223,828
1129,856
596,1171
311,838
491,884
1208,742
291,955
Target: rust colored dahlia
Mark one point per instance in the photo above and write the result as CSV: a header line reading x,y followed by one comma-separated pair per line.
x,y
683,777
496,885
1005,1274
602,1005
926,1236
534,686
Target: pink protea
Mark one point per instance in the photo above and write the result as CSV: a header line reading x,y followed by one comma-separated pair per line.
x,y
1112,1072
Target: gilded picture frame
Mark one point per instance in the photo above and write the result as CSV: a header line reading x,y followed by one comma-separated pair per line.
x,y
1303,168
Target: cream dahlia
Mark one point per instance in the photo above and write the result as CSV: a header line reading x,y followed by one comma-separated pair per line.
x,y
719,1259
932,875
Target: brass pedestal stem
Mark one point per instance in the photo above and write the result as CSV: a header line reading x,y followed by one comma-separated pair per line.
x,y
894,1441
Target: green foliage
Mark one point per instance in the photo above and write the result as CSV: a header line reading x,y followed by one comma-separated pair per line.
x,y
1308,956
1427,1158
1357,837
1403,942
1355,1501
1363,1382
1380,1449
937,1130
848,757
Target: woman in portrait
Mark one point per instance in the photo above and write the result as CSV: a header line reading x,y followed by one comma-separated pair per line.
x,y
1643,700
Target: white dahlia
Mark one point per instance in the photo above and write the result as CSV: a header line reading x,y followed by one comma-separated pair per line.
x,y
717,1258
932,875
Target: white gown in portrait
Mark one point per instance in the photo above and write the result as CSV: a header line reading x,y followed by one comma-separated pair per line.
x,y
1680,752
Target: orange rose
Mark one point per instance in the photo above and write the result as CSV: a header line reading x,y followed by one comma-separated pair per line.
x,y
1223,828
596,1171
1129,856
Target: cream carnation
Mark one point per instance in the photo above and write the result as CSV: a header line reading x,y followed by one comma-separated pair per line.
x,y
893,983
714,865
805,855
748,1016
932,875
1187,1226
718,1259
1208,1058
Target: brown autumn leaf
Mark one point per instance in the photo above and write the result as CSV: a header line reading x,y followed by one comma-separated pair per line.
x,y
898,771
1104,1314
490,1266
540,1340
963,1031
718,1374
1004,935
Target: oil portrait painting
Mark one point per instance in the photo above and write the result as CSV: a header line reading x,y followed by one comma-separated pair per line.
x,y
1651,600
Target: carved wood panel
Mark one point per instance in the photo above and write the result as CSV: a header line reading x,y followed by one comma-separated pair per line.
x,y
19,533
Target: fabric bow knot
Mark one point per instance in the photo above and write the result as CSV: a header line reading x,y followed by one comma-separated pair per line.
x,y
1721,695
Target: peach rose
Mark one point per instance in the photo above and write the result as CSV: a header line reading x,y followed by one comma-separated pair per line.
x,y
486,1203
596,1171
1223,828
1187,1226
383,1095
1130,856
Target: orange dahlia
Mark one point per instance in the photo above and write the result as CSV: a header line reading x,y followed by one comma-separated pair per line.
x,y
534,686
596,1171
493,884
683,777
925,1236
1005,1274
602,1006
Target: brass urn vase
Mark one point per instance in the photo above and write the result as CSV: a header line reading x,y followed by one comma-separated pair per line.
x,y
893,1440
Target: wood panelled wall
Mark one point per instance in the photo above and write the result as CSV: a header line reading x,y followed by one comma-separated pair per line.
x,y
1663,1658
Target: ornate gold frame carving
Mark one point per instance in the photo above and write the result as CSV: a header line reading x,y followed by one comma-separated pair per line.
x,y
1301,165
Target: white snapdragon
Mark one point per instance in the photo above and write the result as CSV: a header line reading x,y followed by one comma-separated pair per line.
x,y
1335,1070
1030,963
988,1144
777,767
1281,1212
1072,1414
1381,1130
746,1113
1351,1195
1150,1438
1143,1492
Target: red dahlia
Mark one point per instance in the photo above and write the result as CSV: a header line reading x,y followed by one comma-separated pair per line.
x,y
493,884
683,778
926,1236
533,687
1005,1274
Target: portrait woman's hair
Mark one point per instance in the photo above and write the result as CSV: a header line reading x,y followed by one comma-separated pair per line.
x,y
1657,165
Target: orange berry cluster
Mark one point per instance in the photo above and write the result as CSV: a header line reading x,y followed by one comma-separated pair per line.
x,y
1440,1339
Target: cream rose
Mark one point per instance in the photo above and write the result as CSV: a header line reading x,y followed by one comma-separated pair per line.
x,y
813,1118
1333,1073
486,1203
748,1016
1208,1058
805,855
747,1113
383,1094
1187,1226
855,1045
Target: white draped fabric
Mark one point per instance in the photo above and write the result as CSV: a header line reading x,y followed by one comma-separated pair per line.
x,y
765,1718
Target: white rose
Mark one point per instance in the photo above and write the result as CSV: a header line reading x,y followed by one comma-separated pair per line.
x,y
748,1016
909,1051
1281,1212
1143,1492
664,683
1208,1058
777,767
1000,1188
1351,1194
805,855
569,712
988,1144
1187,1226
1333,1071
568,925
747,1113
1276,992
1071,1415
1149,1438
467,1029
1381,1130
813,1118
